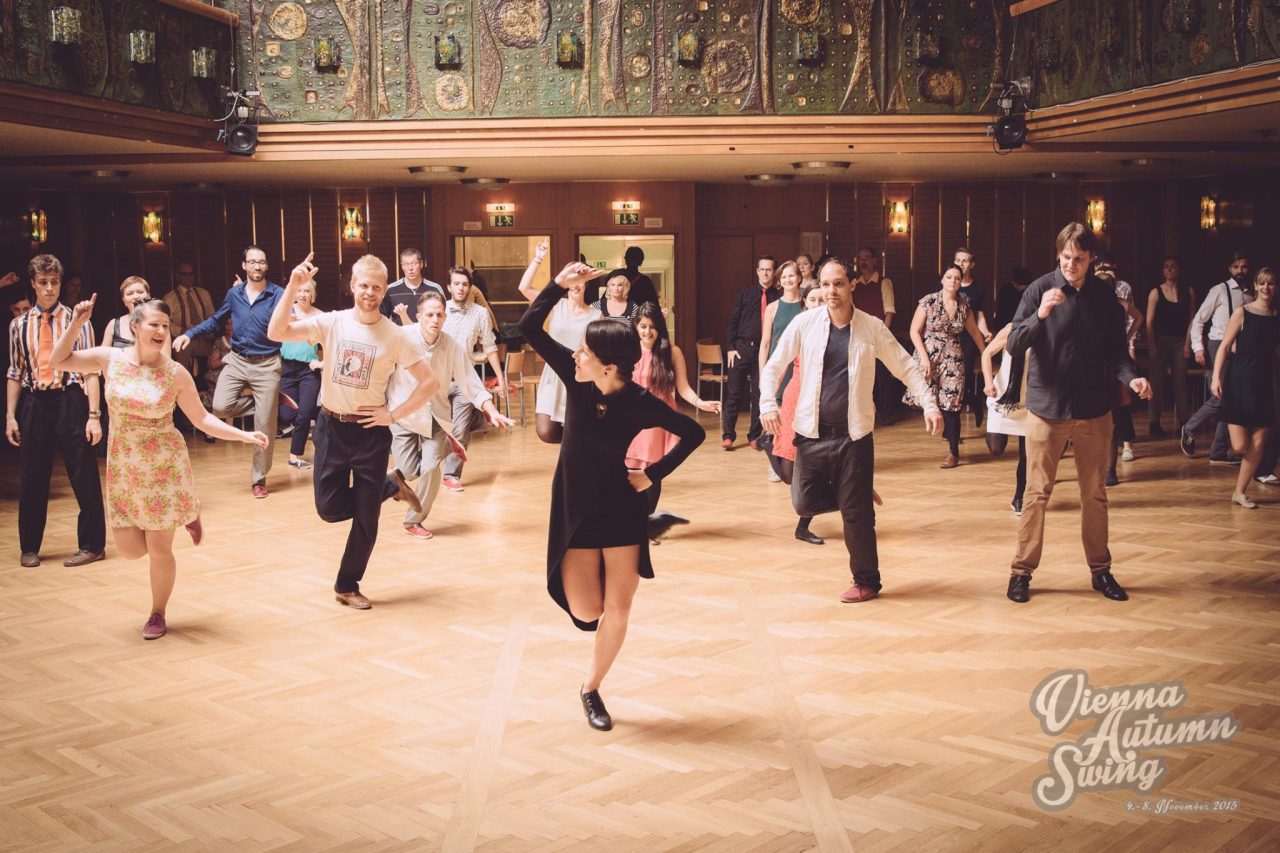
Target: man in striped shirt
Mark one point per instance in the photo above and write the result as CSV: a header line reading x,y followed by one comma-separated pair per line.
x,y
48,411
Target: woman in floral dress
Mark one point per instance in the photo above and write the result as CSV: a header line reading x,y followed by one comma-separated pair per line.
x,y
940,319
150,488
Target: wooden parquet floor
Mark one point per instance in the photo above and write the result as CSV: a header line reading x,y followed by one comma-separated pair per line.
x,y
753,711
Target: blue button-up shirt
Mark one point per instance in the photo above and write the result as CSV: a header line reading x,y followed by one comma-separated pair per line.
x,y
249,320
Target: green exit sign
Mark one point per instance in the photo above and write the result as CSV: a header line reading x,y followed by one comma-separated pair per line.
x,y
626,218
502,220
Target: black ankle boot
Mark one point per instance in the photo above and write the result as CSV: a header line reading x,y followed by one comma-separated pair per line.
x,y
804,534
593,706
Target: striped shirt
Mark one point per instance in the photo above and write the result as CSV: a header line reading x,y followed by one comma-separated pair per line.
x,y
24,347
469,325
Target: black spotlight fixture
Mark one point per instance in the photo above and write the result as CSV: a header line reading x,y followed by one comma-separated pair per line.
x,y
242,139
1010,132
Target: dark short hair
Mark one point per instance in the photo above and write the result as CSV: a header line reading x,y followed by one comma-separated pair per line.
x,y
462,271
965,250
844,265
948,267
872,250
614,343
410,250
768,258
1238,255
429,293
1075,232
634,256
140,310
43,264
244,256
1168,258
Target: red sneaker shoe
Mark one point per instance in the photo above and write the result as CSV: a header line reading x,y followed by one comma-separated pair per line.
x,y
452,484
259,490
727,444
855,594
417,531
155,627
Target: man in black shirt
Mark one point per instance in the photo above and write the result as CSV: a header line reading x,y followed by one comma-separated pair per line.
x,y
742,352
406,290
1010,295
1074,327
642,289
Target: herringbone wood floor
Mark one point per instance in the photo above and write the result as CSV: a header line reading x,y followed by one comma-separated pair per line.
x,y
753,711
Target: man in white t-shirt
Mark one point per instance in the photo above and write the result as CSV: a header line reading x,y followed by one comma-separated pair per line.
x,y
421,441
353,437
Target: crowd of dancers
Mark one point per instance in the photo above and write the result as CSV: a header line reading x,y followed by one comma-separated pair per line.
x,y
809,351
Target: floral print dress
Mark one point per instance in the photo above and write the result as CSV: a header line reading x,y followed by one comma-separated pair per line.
x,y
942,336
149,479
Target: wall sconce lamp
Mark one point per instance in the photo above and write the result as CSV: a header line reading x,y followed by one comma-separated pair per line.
x,y
204,63
1095,215
1208,213
142,47
899,217
64,25
37,226
153,228
352,225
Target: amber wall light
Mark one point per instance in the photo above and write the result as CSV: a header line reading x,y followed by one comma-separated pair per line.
x,y
1095,215
352,225
153,228
1208,213
899,217
37,226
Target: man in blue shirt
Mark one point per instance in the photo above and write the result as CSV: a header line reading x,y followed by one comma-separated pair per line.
x,y
254,361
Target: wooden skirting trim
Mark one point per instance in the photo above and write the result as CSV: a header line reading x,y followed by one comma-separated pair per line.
x,y
39,107
195,7
1228,90
1022,7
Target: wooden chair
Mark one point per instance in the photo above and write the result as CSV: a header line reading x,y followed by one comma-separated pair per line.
x,y
514,368
710,369
531,379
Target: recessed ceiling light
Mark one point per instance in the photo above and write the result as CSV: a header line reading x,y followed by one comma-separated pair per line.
x,y
102,175
822,167
1151,163
202,186
1058,176
768,180
436,172
484,183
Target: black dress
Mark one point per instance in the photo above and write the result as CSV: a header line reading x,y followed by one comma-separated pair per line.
x,y
592,502
1248,389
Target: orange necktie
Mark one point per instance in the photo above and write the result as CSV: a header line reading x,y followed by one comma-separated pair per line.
x,y
44,358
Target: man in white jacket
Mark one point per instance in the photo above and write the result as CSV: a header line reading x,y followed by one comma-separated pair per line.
x,y
421,442
835,415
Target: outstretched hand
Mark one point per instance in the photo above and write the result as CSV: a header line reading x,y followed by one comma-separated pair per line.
x,y
257,439
83,310
304,272
933,422
576,272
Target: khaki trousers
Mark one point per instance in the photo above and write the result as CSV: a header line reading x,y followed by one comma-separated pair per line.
x,y
263,379
1046,440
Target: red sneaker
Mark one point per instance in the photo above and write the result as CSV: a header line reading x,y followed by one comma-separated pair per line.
x,y
452,484
259,490
855,594
155,627
417,531
727,444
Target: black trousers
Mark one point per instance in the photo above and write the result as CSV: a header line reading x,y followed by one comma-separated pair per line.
x,y
49,421
834,472
351,482
744,380
300,382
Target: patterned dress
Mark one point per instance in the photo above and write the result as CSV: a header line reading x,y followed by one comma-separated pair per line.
x,y
149,479
942,336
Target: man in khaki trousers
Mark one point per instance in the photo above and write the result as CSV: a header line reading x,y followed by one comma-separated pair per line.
x,y
1071,327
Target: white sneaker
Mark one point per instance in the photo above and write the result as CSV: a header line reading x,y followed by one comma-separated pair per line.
x,y
773,476
1268,480
1243,500
1126,455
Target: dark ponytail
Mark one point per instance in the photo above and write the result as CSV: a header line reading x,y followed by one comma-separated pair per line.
x,y
662,369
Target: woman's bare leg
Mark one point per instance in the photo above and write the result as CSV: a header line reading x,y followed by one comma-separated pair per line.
x,y
622,578
164,568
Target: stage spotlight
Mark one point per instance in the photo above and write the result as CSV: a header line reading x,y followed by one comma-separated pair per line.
x,y
242,139
1010,132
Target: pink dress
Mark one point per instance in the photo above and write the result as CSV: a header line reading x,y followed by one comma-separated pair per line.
x,y
651,444
784,443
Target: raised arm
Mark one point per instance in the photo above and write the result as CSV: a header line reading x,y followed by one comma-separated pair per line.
x,y
87,360
282,328
557,356
684,389
527,290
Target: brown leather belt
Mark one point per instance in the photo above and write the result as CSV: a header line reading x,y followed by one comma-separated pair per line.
x,y
346,419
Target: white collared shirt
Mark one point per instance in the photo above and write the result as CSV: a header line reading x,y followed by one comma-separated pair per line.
x,y
470,326
450,363
869,339
1221,301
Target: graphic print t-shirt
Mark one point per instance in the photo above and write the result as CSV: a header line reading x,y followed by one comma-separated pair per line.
x,y
358,358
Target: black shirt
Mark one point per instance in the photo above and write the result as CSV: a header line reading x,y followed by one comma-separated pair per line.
x,y
1006,305
400,293
744,330
833,406
1080,349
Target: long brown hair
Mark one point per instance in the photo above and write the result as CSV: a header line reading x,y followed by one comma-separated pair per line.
x,y
662,368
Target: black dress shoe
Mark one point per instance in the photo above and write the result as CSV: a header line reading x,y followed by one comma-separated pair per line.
x,y
1106,584
804,534
30,559
593,706
1019,588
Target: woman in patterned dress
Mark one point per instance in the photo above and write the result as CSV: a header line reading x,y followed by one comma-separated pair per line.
x,y
939,321
150,488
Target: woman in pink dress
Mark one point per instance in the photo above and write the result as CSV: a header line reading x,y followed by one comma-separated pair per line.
x,y
150,488
661,370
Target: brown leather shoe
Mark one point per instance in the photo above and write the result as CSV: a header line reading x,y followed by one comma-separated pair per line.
x,y
951,461
354,600
30,559
855,594
84,558
403,492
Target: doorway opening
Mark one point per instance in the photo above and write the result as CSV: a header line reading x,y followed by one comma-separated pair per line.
x,y
498,264
606,251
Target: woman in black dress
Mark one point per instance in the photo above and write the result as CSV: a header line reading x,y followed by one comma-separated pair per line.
x,y
598,543
1245,379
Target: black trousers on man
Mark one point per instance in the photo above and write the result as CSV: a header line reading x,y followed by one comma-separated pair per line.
x,y
54,421
833,472
744,382
351,482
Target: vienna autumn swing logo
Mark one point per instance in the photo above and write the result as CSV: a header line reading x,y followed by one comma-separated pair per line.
x,y
1115,753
